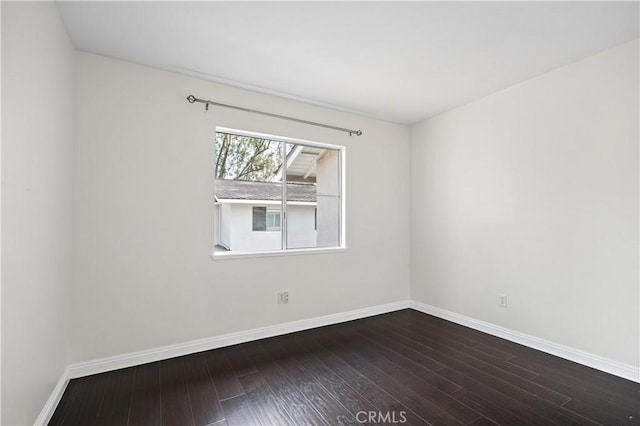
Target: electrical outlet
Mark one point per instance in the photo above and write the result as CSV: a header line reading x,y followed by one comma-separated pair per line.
x,y
283,297
502,300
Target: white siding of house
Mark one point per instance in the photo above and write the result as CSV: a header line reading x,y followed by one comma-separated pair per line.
x,y
224,211
243,237
301,226
328,196
236,229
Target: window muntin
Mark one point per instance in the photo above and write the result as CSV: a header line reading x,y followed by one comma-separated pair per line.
x,y
255,173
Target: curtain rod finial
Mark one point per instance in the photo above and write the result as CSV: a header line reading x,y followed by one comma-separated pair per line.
x,y
191,99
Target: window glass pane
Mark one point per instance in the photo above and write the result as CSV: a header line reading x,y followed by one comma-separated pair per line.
x,y
313,197
329,199
260,219
273,220
246,189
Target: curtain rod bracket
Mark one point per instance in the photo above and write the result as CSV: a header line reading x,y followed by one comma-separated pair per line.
x,y
192,99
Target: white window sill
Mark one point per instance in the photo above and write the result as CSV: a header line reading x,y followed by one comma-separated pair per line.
x,y
291,252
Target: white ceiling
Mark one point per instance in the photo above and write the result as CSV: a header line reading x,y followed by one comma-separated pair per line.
x,y
399,61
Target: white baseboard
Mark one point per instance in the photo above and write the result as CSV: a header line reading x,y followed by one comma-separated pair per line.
x,y
51,404
142,357
616,368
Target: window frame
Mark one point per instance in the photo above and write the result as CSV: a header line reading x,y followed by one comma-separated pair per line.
x,y
342,235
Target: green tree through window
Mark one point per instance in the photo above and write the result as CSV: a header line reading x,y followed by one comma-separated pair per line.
x,y
247,158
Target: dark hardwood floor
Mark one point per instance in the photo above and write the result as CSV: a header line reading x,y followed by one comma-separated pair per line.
x,y
403,367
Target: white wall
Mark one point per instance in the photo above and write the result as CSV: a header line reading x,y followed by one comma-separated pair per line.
x,y
329,200
301,226
37,134
533,192
144,215
244,238
236,228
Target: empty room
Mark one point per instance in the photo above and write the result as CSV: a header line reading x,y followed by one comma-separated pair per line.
x,y
320,213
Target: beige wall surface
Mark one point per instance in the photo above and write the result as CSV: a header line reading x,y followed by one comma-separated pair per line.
x,y
37,146
143,212
533,192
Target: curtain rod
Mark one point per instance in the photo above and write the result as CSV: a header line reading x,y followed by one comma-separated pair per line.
x,y
193,99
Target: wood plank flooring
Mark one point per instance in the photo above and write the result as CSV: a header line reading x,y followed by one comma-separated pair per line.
x,y
403,367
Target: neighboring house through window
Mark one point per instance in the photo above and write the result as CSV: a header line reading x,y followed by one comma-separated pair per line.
x,y
276,194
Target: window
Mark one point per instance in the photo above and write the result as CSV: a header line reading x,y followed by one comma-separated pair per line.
x,y
276,194
266,219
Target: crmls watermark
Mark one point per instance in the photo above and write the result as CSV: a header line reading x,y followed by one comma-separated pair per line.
x,y
390,417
